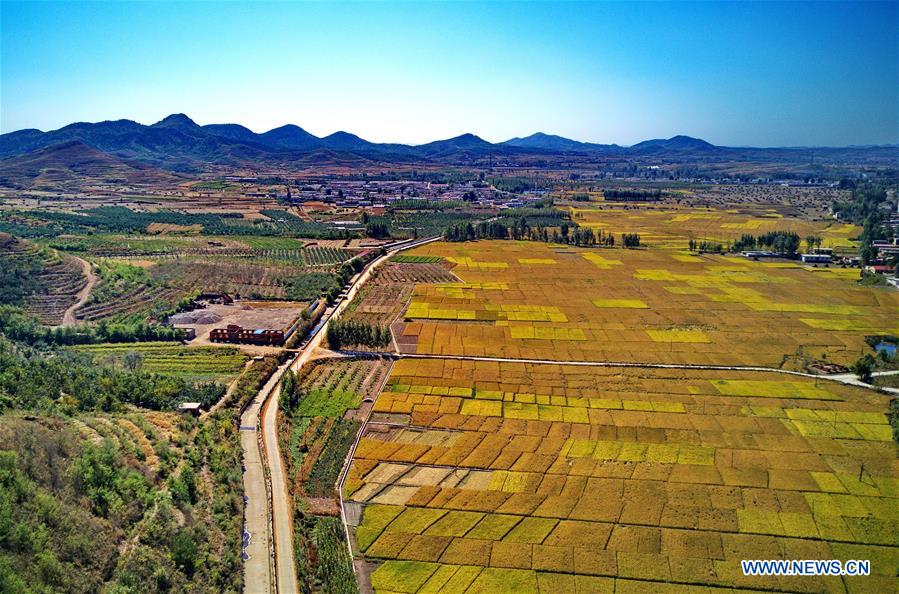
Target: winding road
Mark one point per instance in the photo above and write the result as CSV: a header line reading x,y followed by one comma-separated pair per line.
x,y
68,318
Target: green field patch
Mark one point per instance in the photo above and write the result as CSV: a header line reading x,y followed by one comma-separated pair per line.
x,y
402,576
166,358
494,580
410,259
374,519
327,403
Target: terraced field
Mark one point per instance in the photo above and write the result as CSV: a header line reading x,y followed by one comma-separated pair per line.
x,y
514,477
203,363
54,279
134,299
249,249
534,300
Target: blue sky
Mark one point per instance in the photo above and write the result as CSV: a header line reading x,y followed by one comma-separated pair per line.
x,y
760,74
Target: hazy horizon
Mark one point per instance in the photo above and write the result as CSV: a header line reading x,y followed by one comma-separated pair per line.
x,y
762,75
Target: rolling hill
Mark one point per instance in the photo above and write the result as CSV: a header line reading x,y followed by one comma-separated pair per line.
x,y
177,143
552,142
73,160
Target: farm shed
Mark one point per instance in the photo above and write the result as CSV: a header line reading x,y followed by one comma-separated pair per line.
x,y
190,407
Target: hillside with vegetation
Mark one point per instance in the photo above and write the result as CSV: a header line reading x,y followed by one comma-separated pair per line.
x,y
103,486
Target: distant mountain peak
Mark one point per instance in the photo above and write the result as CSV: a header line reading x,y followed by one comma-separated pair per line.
x,y
290,136
343,135
681,142
176,120
344,141
288,128
469,138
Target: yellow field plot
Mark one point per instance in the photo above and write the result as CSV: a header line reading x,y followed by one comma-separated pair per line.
x,y
419,309
531,530
678,335
672,474
480,265
750,312
599,261
773,389
620,303
528,313
846,325
482,408
672,227
454,523
536,261
750,225
545,333
685,258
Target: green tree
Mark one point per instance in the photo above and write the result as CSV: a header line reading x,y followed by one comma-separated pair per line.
x,y
864,368
184,551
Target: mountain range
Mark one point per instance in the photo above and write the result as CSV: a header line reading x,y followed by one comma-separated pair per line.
x,y
177,143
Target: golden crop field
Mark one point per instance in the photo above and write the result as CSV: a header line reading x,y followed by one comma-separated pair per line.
x,y
525,477
673,227
542,301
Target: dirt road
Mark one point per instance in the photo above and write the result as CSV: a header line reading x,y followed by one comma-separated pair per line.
x,y
68,319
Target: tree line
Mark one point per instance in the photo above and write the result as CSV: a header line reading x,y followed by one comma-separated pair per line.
x,y
863,208
639,195
566,233
705,247
66,381
347,333
782,242
19,326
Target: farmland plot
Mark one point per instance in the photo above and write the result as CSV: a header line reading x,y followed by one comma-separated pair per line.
x,y
534,300
673,227
220,364
486,476
334,396
385,295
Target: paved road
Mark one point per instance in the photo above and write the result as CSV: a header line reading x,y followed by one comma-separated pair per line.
x,y
68,318
257,569
280,576
849,378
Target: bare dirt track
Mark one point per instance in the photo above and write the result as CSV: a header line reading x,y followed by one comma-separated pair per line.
x,y
83,295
